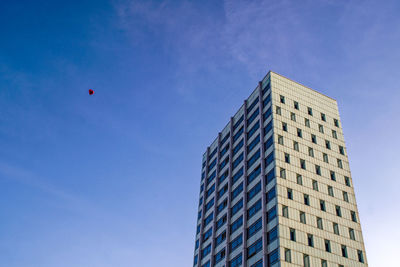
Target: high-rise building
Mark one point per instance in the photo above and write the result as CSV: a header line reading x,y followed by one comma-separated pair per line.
x,y
276,188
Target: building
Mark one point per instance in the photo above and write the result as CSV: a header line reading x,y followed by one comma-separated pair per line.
x,y
276,188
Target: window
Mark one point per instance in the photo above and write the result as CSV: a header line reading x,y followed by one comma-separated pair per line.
x,y
321,128
313,138
334,134
292,116
302,217
306,199
207,235
347,181
258,264
270,176
238,147
254,248
282,173
253,144
224,139
333,175
223,191
253,116
220,238
338,211
327,144
222,206
353,216
210,191
284,126
330,191
273,257
295,145
254,228
309,110
219,256
307,122
290,193
299,133
288,257
310,240
360,256
237,160
224,163
253,159
317,169
223,177
268,128
238,134
206,251
315,185
209,205
271,194
325,157
345,196
272,235
296,105
238,206
254,191
306,260
280,139
287,158
201,201
336,122
344,251
235,243
237,191
236,224
322,205
341,150
339,163
327,245
267,113
252,105
319,223
323,117
299,179
237,124
351,234
195,260
303,164
324,263
253,130
208,219
254,209
271,214
237,175
278,110
223,151
282,98
221,222
237,261
311,152
269,159
292,234
268,143
336,229
285,211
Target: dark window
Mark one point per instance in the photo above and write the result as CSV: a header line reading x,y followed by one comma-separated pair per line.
x,y
237,191
270,176
219,256
336,229
253,144
237,261
344,251
271,214
207,234
296,105
249,108
220,238
299,133
237,124
303,164
327,245
269,143
338,211
254,191
347,181
284,126
353,216
290,193
309,110
236,224
310,240
333,176
253,130
238,134
307,199
237,175
253,116
272,235
238,147
221,222
336,122
254,248
287,158
323,117
273,257
282,99
254,174
237,161
292,234
271,194
360,256
235,243
302,217
317,169
206,251
208,219
253,159
222,206
254,228
254,209
238,206
322,205
313,138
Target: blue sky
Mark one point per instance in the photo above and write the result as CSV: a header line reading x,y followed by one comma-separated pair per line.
x,y
113,179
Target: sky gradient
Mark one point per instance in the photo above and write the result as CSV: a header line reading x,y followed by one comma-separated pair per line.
x,y
113,179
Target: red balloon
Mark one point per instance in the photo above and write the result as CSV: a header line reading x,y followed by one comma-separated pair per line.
x,y
91,92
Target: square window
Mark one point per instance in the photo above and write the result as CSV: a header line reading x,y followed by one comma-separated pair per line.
x,y
299,179
292,234
290,193
336,229
330,190
295,145
307,122
321,128
280,139
284,126
293,116
311,152
315,185
313,139
334,134
319,223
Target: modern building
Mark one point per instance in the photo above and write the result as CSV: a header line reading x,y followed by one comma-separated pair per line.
x,y
276,188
